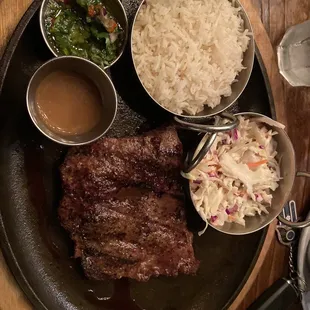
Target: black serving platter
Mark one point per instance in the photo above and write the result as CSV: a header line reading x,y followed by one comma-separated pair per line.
x,y
38,251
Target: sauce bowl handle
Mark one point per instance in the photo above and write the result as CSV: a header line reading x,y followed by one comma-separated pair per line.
x,y
234,122
190,164
299,225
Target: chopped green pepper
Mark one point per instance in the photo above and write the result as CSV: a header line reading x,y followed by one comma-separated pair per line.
x,y
75,33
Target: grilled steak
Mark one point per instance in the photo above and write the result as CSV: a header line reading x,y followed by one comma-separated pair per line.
x,y
119,209
97,170
133,235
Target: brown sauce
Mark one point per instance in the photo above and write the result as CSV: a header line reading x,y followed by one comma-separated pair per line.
x,y
68,103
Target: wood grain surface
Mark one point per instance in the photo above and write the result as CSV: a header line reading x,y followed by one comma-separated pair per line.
x,y
11,297
292,108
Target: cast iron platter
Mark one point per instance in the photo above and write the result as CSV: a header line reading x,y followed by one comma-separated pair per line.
x,y
38,251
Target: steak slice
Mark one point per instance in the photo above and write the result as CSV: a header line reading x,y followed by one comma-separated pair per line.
x,y
152,160
133,234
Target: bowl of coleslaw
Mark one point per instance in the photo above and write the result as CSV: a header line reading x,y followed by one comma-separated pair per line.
x,y
243,182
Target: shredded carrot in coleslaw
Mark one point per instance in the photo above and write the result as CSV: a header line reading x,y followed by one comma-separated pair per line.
x,y
257,164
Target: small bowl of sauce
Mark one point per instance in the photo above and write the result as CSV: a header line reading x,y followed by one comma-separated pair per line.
x,y
71,100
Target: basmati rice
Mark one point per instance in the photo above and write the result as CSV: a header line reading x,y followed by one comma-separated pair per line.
x,y
188,52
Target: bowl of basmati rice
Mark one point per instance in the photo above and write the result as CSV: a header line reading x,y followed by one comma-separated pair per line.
x,y
193,57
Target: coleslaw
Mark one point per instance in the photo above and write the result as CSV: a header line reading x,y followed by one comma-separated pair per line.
x,y
237,176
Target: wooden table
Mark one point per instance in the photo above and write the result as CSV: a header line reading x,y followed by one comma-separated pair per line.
x,y
293,109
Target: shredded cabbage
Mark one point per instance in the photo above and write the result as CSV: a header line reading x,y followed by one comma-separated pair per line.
x,y
237,176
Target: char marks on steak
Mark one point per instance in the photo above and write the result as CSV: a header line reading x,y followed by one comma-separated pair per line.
x,y
119,208
152,160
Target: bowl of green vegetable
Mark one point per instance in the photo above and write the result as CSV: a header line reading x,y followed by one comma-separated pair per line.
x,y
93,29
